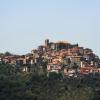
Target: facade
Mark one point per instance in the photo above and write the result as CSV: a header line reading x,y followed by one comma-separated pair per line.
x,y
56,56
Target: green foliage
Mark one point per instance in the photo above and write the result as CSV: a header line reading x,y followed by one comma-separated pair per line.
x,y
35,86
7,53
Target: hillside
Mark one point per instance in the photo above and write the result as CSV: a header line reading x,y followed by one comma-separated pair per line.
x,y
54,71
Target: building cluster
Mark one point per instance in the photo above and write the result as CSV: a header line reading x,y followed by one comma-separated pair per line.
x,y
59,57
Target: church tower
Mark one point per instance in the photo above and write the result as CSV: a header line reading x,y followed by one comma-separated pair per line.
x,y
47,42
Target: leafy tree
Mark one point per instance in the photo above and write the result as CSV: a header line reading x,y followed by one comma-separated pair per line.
x,y
7,53
35,86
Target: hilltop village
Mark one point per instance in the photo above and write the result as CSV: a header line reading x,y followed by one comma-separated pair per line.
x,y
60,57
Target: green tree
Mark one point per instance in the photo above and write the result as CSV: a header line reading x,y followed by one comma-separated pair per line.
x,y
7,53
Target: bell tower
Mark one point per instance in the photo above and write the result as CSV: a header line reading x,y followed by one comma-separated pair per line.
x,y
46,42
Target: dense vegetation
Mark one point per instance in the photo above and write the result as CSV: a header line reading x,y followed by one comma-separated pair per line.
x,y
16,85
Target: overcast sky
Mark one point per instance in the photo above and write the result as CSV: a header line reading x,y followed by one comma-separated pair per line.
x,y
25,24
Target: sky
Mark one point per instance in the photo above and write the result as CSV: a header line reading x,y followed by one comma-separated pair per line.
x,y
25,24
